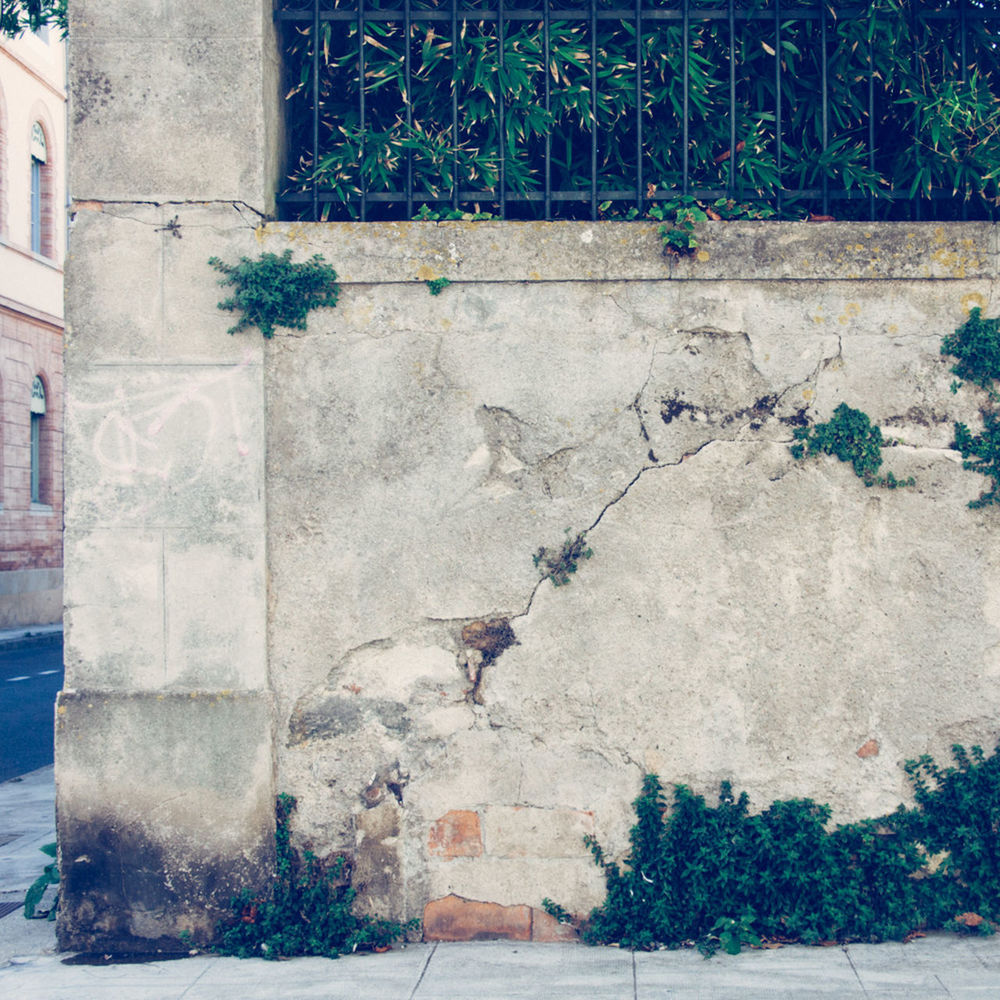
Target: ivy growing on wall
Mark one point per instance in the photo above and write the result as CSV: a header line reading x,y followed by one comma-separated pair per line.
x,y
722,876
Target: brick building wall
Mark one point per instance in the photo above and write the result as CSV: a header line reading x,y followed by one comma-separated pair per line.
x,y
32,244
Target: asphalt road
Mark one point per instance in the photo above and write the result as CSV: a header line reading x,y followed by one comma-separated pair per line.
x,y
30,677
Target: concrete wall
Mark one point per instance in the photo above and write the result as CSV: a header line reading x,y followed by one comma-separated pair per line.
x,y
163,737
297,564
743,615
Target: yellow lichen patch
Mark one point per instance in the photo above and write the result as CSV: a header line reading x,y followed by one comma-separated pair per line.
x,y
535,276
973,300
297,233
445,322
819,318
427,273
807,394
952,262
892,328
703,255
852,309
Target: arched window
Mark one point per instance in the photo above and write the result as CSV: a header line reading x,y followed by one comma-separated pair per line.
x,y
42,209
37,417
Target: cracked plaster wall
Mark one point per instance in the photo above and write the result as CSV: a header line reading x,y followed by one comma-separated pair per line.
x,y
277,554
744,616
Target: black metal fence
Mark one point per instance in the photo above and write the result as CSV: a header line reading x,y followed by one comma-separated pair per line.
x,y
596,108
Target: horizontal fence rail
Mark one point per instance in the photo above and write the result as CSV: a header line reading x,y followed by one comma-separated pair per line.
x,y
559,109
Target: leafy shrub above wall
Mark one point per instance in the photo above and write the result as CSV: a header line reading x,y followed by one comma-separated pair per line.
x,y
826,100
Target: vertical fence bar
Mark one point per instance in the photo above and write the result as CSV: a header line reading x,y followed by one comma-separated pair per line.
x,y
361,109
871,125
915,202
315,111
408,84
964,59
685,29
455,185
825,100
638,107
731,183
501,115
963,37
548,111
777,101
593,110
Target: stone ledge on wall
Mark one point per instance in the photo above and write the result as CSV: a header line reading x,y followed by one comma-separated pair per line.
x,y
489,251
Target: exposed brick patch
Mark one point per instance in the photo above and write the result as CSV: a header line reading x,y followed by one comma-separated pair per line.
x,y
453,918
456,834
869,749
548,930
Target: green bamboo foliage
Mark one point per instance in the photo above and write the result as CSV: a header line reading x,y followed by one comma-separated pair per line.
x,y
936,117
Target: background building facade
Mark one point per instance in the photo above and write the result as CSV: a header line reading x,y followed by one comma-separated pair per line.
x,y
32,252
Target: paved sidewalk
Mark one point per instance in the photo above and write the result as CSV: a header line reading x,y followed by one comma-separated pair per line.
x,y
28,636
939,966
935,967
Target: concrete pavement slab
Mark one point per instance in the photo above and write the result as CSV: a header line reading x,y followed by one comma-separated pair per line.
x,y
391,976
940,966
27,821
781,972
505,970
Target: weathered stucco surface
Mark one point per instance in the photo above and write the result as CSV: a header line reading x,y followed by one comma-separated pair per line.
x,y
305,564
743,616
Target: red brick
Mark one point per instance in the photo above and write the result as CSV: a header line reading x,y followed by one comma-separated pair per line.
x,y
456,834
869,749
456,919
547,929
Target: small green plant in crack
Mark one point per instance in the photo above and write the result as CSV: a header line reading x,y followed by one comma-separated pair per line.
x,y
560,913
681,215
559,564
852,437
274,291
981,453
50,876
306,912
730,934
437,285
976,346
